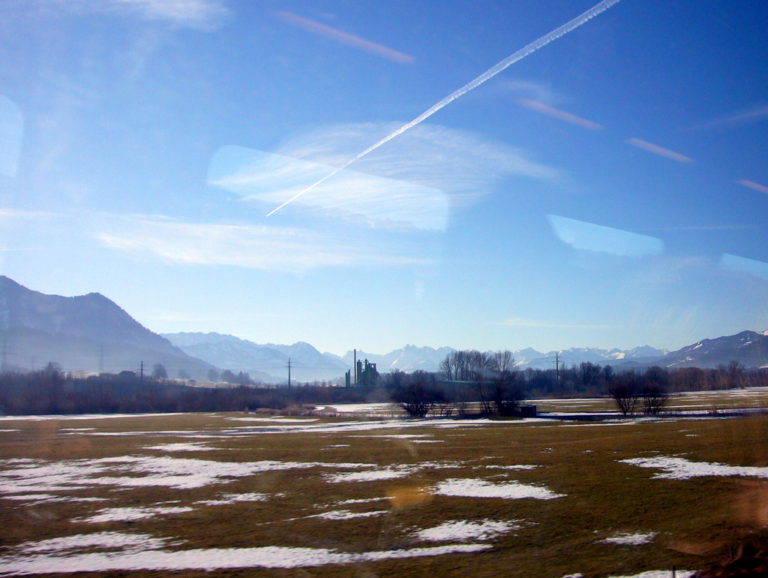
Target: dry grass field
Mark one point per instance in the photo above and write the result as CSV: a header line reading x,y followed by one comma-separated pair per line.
x,y
232,494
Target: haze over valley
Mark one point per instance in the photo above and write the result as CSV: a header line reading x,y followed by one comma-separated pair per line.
x,y
91,333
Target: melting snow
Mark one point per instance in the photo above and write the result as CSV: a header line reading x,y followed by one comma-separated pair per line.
x,y
131,514
51,498
398,436
233,498
180,447
472,488
360,407
274,419
213,559
347,515
360,501
108,540
389,473
637,539
179,473
515,467
462,531
682,469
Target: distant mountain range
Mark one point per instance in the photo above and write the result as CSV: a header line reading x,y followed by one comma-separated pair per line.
x,y
92,333
268,362
748,348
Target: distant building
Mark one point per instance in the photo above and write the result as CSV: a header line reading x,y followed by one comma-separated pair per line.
x,y
366,374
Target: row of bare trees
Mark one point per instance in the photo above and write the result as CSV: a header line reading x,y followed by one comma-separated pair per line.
x,y
467,378
632,393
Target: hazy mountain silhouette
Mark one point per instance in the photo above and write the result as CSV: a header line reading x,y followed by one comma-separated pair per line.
x,y
408,358
748,348
91,333
83,333
266,362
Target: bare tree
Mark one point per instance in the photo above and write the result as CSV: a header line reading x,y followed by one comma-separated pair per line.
x,y
654,398
490,377
654,390
418,394
625,392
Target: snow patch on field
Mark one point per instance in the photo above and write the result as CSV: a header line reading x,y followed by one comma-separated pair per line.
x,y
473,488
45,498
682,469
181,447
348,515
361,407
137,471
274,419
132,514
227,499
461,531
360,501
388,473
637,539
105,540
147,556
512,467
398,436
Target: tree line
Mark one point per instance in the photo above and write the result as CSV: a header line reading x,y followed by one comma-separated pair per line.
x,y
490,384
52,392
468,382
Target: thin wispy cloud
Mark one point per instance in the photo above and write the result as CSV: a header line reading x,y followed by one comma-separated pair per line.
x,y
345,38
279,249
743,117
659,150
196,14
754,186
412,184
381,201
529,89
476,82
559,114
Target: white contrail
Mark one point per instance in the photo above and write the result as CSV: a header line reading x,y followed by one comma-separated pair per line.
x,y
527,50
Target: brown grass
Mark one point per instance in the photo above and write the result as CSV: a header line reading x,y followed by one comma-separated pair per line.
x,y
696,520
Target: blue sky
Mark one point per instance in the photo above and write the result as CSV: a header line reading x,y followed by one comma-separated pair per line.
x,y
609,189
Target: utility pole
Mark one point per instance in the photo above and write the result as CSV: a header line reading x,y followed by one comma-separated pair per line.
x,y
289,373
557,368
141,371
